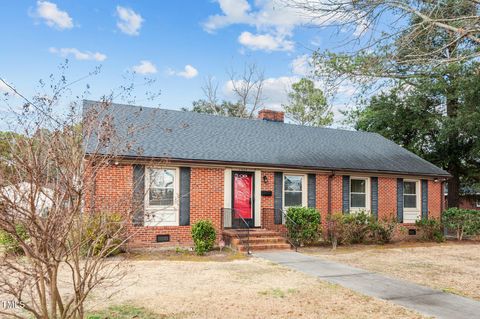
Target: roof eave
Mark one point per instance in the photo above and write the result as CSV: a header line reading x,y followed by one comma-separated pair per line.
x,y
332,169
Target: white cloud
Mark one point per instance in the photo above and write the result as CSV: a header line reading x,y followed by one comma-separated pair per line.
x,y
274,91
265,42
6,91
130,22
145,67
53,16
269,17
77,54
301,65
188,72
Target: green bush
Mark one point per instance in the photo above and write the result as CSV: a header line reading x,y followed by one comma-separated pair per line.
x,y
355,227
10,243
431,229
303,225
462,221
104,234
203,234
382,231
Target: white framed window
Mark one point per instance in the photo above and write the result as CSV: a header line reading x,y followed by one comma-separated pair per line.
x,y
478,201
294,190
411,201
161,200
359,194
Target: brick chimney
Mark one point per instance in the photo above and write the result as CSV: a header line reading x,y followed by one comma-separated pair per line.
x,y
271,115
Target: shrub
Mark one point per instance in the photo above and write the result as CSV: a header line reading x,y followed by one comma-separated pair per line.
x,y
10,243
303,225
431,229
203,235
335,229
463,221
355,227
104,234
382,231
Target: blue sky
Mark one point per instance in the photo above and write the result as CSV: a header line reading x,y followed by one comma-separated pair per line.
x,y
177,43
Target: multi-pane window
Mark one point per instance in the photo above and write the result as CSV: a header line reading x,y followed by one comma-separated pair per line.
x,y
161,187
410,194
292,187
358,193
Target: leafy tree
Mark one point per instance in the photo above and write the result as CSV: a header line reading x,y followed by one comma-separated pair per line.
x,y
308,105
224,108
415,117
429,52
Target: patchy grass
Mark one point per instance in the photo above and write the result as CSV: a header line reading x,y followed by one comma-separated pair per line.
x,y
125,312
277,292
185,289
181,254
451,266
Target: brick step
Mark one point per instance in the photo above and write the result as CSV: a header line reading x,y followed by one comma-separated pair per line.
x,y
259,240
256,247
255,233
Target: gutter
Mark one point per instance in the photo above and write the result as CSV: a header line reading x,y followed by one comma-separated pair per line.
x,y
136,159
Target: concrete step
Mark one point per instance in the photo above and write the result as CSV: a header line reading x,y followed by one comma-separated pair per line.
x,y
256,247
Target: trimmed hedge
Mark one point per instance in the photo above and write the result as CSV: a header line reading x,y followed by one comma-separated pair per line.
x,y
203,235
359,228
431,229
462,221
303,225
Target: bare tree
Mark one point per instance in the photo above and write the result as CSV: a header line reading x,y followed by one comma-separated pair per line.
x,y
247,87
62,234
382,22
210,89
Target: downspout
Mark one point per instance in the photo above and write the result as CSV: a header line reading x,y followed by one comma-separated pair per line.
x,y
330,178
442,197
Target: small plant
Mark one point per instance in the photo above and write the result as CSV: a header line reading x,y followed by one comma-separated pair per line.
x,y
10,243
463,221
335,229
431,229
303,225
203,235
104,234
355,227
382,231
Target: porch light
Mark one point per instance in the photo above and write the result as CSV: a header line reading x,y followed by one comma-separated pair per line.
x,y
436,180
265,179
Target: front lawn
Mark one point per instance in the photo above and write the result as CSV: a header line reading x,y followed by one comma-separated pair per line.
x,y
452,266
245,288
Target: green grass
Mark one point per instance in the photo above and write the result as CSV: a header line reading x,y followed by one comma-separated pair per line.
x,y
124,312
277,292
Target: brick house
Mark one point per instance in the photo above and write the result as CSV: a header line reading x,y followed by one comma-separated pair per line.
x,y
197,166
469,198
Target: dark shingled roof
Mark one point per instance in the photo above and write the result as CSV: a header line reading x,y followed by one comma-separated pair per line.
x,y
161,133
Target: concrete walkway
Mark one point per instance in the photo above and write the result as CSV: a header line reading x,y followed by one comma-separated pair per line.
x,y
425,300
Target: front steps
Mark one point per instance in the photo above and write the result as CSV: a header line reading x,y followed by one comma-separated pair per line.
x,y
260,239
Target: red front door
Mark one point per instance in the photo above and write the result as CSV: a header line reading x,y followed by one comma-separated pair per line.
x,y
243,196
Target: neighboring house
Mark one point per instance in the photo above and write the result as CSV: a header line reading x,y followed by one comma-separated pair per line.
x,y
469,198
196,166
21,195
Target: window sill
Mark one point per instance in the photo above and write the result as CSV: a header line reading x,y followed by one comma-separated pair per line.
x,y
160,224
